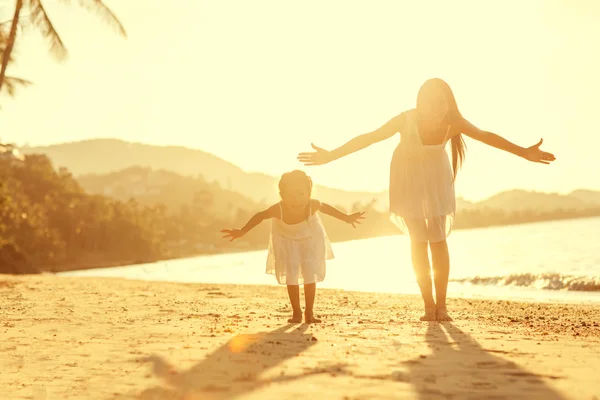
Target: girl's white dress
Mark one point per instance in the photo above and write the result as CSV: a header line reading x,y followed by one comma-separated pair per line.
x,y
422,198
297,252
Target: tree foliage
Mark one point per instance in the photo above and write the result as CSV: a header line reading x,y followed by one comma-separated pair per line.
x,y
48,222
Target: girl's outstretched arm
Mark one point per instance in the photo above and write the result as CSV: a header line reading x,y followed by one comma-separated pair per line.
x,y
259,217
335,213
322,156
532,153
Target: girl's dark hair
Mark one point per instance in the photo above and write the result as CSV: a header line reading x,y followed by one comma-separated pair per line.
x,y
452,119
293,178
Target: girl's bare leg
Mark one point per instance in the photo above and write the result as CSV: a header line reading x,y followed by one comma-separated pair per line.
x,y
440,259
294,293
420,262
310,290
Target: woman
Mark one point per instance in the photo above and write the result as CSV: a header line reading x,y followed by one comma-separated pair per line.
x,y
422,198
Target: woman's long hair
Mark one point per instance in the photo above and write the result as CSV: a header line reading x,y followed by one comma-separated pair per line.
x,y
451,120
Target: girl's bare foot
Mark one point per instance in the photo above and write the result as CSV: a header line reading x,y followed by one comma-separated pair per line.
x,y
430,314
296,318
309,318
442,314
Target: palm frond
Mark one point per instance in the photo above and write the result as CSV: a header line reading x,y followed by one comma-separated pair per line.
x,y
40,20
11,84
3,46
21,24
9,42
103,12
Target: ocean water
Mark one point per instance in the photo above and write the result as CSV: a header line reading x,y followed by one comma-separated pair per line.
x,y
556,261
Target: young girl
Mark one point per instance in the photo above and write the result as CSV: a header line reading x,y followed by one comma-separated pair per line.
x,y
298,246
422,200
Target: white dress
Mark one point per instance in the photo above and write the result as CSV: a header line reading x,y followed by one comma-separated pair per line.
x,y
422,198
297,252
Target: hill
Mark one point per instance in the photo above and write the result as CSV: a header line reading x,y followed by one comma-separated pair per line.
x,y
89,160
589,196
51,221
150,187
47,222
521,200
104,156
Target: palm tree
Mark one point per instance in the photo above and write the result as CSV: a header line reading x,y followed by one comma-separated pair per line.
x,y
39,19
6,45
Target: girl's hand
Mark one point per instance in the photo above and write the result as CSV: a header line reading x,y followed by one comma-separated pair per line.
x,y
355,218
534,154
232,233
318,157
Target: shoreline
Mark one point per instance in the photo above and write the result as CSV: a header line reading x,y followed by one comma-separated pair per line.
x,y
110,338
586,298
77,266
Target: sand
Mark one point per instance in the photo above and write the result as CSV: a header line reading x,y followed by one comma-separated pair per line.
x,y
89,338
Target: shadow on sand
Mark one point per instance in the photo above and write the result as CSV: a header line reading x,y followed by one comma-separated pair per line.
x,y
459,368
234,368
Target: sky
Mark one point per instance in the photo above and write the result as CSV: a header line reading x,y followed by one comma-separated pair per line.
x,y
256,82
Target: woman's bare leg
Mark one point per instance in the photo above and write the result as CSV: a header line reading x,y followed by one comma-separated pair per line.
x,y
440,259
310,290
420,262
294,293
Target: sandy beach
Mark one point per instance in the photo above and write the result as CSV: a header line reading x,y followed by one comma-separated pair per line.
x,y
89,338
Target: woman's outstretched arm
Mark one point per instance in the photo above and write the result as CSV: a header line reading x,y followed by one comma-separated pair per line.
x,y
532,153
322,156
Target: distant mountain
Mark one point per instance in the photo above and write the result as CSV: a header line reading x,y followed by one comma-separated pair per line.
x,y
104,156
520,200
96,162
589,196
152,187
462,204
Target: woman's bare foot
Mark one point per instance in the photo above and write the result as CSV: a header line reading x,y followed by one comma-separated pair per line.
x,y
309,318
442,314
296,318
430,315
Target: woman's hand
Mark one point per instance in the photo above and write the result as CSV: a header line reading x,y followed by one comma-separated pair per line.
x,y
318,157
355,218
232,234
534,154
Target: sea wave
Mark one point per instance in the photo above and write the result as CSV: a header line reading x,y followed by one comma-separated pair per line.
x,y
546,281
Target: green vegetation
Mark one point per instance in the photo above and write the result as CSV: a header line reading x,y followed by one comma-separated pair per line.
x,y
48,222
